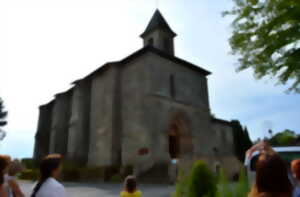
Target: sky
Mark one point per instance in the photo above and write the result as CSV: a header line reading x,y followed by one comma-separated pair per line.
x,y
46,45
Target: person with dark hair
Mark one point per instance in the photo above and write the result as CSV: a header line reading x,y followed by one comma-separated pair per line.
x,y
295,168
272,178
48,186
13,188
4,165
130,188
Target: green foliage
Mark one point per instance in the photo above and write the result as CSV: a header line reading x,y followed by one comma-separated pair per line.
x,y
266,38
117,178
70,172
284,138
91,173
29,163
227,189
242,188
181,185
242,140
29,174
200,182
224,189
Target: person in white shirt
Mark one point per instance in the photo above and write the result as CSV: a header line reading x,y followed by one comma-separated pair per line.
x,y
48,186
13,187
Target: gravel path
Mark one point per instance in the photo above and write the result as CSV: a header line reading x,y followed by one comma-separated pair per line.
x,y
104,189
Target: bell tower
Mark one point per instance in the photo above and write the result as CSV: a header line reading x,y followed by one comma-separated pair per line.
x,y
158,34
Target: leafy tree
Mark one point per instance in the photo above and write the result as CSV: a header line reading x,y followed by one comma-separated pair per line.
x,y
3,122
241,138
284,138
266,37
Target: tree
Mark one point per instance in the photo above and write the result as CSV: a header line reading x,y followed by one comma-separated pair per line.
x,y
266,37
241,139
3,122
284,138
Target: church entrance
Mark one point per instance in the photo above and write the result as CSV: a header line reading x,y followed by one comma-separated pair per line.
x,y
179,138
174,145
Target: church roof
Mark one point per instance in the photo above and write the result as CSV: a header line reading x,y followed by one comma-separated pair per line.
x,y
157,22
167,56
138,54
224,122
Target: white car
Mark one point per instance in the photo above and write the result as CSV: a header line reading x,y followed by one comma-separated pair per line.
x,y
286,153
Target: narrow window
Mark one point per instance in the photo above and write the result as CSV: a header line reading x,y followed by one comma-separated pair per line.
x,y
167,44
172,86
150,42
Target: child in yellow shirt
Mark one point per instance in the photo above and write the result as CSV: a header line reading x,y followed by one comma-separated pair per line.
x,y
130,188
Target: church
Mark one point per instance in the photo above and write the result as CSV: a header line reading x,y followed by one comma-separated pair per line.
x,y
149,110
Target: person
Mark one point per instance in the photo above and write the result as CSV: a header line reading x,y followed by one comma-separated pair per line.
x,y
295,168
130,188
272,178
47,185
4,164
13,189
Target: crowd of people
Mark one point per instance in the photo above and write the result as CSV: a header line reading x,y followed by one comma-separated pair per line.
x,y
274,178
48,184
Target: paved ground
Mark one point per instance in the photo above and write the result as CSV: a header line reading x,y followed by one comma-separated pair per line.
x,y
104,189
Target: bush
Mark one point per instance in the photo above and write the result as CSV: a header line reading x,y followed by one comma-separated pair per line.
x,y
200,182
29,174
117,178
127,170
91,173
240,189
29,163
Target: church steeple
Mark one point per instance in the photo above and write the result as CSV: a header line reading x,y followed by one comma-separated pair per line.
x,y
159,34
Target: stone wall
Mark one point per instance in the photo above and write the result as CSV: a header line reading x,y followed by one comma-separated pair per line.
x,y
60,123
79,128
101,115
154,102
42,137
225,157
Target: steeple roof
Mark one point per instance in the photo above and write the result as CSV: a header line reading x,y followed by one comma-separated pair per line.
x,y
158,22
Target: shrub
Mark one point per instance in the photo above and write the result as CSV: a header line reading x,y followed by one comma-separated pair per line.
x,y
200,182
91,173
71,174
224,189
29,163
242,188
110,171
29,174
127,170
117,178
239,189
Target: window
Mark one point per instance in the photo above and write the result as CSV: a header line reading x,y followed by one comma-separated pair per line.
x,y
150,42
172,86
167,44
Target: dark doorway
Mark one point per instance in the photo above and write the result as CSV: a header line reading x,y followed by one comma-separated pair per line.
x,y
174,146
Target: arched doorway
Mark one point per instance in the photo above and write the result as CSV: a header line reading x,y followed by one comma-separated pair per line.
x,y
179,137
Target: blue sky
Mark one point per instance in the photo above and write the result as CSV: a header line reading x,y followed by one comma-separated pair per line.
x,y
45,45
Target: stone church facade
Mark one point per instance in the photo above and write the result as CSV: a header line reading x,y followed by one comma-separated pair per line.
x,y
145,110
